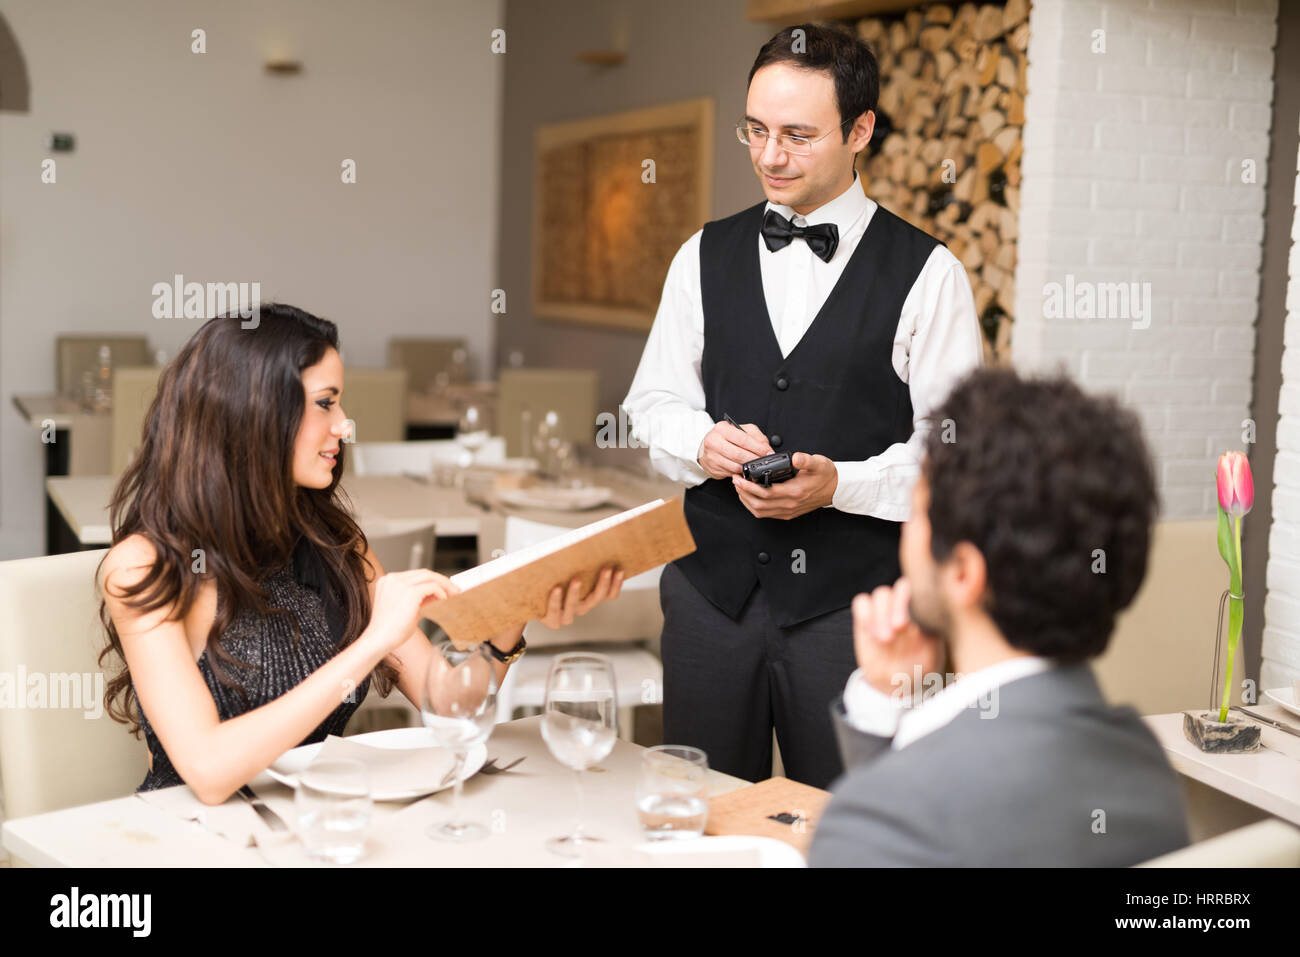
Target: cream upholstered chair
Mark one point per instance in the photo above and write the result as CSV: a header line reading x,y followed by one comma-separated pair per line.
x,y
572,393
418,457
68,751
90,450
133,390
76,354
375,400
401,546
1271,843
422,359
611,629
398,548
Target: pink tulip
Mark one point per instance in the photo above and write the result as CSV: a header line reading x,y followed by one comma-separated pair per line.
x,y
1236,484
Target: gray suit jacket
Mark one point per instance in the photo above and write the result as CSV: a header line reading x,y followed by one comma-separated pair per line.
x,y
1056,778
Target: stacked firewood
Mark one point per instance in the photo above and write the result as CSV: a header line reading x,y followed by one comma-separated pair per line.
x,y
952,81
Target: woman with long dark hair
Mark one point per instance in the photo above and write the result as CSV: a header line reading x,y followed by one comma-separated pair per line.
x,y
249,610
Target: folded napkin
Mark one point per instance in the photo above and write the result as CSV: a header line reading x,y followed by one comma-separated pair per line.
x,y
701,853
394,770
234,820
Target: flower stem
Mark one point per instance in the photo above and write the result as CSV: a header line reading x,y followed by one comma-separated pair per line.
x,y
1235,613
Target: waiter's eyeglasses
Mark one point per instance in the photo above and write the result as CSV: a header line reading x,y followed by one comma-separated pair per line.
x,y
793,143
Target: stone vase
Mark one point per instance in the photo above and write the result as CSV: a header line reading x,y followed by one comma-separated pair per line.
x,y
1207,732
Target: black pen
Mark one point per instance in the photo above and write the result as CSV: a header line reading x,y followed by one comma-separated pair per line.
x,y
732,421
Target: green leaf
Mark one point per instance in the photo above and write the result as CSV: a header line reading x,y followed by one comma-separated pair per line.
x,y
1226,549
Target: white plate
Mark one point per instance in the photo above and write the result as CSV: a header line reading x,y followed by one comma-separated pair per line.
x,y
1286,698
289,765
565,499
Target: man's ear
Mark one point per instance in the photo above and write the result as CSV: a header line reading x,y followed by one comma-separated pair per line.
x,y
860,132
966,576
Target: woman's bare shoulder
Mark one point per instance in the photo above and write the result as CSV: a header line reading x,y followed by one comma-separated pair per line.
x,y
128,561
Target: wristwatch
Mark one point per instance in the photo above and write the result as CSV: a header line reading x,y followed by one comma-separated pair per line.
x,y
506,657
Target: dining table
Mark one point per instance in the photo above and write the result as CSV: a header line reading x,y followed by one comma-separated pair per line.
x,y
523,807
389,502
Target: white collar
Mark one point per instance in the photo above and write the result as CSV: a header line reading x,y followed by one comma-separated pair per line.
x,y
843,210
975,690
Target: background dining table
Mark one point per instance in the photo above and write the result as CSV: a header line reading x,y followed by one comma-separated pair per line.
x,y
386,501
522,808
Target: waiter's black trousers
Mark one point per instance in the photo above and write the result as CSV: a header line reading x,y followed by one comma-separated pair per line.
x,y
728,683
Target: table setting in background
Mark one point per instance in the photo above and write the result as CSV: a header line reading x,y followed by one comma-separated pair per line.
x,y
557,483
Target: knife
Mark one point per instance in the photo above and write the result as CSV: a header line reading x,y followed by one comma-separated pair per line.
x,y
272,819
1268,721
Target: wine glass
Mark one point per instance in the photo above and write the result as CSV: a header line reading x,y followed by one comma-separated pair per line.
x,y
545,442
579,725
471,433
458,370
459,706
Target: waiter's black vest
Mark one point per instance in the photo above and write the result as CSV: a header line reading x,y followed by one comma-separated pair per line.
x,y
835,394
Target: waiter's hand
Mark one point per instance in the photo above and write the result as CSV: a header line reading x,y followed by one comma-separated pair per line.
x,y
726,448
812,488
888,644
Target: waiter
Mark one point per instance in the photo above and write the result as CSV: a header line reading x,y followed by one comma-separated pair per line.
x,y
826,327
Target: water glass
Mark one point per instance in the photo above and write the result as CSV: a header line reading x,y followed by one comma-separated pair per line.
x,y
333,808
672,792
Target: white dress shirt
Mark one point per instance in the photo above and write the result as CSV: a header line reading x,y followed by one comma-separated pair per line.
x,y
874,712
937,341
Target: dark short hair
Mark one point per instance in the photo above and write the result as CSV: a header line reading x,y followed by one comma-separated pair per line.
x,y
1037,476
829,49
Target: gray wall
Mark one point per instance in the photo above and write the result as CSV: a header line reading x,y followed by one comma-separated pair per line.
x,y
204,165
676,50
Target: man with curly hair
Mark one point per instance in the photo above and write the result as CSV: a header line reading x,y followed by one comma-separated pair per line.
x,y
973,731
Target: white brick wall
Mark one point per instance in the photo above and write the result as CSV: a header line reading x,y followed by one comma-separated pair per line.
x,y
1281,646
1133,173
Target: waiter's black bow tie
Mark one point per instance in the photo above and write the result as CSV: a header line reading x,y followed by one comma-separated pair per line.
x,y
778,231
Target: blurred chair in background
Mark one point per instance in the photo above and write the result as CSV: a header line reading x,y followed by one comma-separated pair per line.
x,y
90,444
74,355
571,393
425,359
375,399
402,546
133,390
399,547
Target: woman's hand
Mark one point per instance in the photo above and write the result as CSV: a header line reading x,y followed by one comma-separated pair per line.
x,y
565,606
398,599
